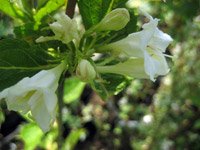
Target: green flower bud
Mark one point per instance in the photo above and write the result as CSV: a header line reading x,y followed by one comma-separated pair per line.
x,y
85,71
115,20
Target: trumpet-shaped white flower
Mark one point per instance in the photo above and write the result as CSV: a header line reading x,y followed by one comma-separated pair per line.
x,y
37,95
150,43
65,29
132,67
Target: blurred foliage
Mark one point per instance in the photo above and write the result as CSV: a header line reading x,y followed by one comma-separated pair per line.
x,y
145,116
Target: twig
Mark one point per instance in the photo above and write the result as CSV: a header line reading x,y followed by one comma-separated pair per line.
x,y
71,8
60,108
70,12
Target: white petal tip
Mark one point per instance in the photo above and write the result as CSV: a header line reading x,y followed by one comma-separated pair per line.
x,y
40,39
153,79
141,11
44,39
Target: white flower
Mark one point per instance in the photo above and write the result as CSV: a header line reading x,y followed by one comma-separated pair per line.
x,y
65,30
150,43
37,95
132,67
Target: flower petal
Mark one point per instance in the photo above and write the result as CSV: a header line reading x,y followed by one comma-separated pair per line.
x,y
133,67
65,29
40,111
160,41
44,39
155,64
160,64
149,66
36,94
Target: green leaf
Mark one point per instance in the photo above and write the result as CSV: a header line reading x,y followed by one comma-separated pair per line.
x,y
2,117
28,32
50,7
119,3
73,138
10,8
28,5
5,27
18,59
113,84
41,3
73,89
92,11
32,135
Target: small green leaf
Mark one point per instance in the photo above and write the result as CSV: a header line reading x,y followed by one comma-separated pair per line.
x,y
18,59
119,3
32,135
73,138
10,8
2,117
28,32
28,5
50,7
73,89
113,84
41,3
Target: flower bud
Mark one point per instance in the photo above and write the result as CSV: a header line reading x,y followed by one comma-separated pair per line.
x,y
85,71
115,20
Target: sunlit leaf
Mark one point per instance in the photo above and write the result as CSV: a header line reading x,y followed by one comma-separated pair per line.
x,y
73,89
73,138
31,134
50,7
12,9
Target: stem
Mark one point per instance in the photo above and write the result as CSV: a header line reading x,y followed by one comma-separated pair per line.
x,y
70,12
60,107
70,8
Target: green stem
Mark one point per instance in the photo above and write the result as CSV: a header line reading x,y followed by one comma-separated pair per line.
x,y
60,108
70,12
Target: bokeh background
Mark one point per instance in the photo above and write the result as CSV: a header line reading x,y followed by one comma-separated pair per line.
x,y
161,115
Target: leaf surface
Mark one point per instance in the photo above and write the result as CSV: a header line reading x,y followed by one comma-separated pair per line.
x,y
18,59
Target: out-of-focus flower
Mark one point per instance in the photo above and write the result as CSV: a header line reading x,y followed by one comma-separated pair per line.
x,y
150,43
36,95
132,67
147,118
85,71
115,20
65,30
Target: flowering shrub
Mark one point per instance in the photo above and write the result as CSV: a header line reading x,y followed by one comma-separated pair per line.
x,y
49,52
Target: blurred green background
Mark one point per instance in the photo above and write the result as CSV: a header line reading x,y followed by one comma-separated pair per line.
x,y
164,115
